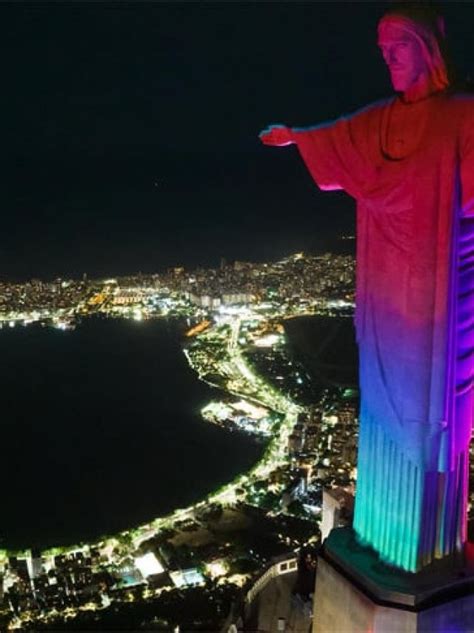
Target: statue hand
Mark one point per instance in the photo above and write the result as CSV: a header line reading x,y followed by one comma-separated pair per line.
x,y
277,135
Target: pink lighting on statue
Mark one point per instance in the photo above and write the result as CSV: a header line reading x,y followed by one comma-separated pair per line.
x,y
409,163
413,58
403,55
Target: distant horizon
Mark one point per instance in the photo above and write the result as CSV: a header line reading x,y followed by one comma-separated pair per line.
x,y
341,239
118,216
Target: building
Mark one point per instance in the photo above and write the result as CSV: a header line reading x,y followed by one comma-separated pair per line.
x,y
338,508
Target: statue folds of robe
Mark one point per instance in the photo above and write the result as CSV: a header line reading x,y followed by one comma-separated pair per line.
x,y
410,167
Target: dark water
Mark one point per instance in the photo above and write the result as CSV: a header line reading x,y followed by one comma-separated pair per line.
x,y
101,431
327,349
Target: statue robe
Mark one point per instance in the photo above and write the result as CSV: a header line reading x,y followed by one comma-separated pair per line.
x,y
411,169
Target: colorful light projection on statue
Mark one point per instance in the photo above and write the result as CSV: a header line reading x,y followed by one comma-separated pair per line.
x,y
409,163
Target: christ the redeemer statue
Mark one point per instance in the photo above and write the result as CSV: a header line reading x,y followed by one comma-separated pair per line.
x,y
409,163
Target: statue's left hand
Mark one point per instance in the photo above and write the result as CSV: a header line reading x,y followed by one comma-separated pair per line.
x,y
277,135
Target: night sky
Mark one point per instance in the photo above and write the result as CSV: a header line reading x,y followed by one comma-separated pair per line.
x,y
129,131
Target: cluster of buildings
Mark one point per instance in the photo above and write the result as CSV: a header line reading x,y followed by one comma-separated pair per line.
x,y
36,587
208,549
323,451
37,300
242,415
300,280
50,587
236,340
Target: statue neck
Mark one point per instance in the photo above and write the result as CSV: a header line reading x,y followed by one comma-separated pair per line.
x,y
421,89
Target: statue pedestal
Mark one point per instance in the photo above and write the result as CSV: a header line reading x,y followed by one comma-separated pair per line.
x,y
356,593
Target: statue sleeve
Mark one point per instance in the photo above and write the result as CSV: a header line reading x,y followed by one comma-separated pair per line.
x,y
334,154
467,165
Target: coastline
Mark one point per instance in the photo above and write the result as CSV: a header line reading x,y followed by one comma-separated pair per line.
x,y
225,494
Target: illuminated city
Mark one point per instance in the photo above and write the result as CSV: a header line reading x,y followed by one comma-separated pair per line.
x,y
234,339
185,418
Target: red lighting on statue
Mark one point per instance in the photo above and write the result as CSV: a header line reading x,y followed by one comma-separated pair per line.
x,y
409,163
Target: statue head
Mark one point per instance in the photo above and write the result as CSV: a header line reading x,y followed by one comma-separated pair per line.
x,y
411,39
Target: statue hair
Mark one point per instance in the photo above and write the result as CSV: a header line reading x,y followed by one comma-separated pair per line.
x,y
430,15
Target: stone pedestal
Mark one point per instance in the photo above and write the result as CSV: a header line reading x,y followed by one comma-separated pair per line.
x,y
356,593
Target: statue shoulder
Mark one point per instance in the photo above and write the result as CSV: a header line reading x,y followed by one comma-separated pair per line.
x,y
461,99
460,114
366,120
462,104
373,109
356,118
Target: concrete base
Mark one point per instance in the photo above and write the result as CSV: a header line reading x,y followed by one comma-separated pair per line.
x,y
356,593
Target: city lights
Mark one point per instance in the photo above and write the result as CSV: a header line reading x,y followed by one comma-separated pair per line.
x,y
235,322
148,565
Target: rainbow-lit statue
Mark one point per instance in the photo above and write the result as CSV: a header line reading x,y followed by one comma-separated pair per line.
x,y
409,163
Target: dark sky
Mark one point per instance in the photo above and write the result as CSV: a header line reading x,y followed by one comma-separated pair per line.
x,y
129,131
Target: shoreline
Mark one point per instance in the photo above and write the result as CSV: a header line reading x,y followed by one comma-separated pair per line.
x,y
224,493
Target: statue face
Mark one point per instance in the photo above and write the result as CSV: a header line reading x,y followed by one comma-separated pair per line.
x,y
403,55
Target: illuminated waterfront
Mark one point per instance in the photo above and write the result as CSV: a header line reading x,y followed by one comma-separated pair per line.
x,y
236,342
110,434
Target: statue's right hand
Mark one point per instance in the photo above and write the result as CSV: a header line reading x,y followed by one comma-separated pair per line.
x,y
277,135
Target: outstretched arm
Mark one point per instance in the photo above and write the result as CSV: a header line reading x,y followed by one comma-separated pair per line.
x,y
277,135
467,162
334,152
281,135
